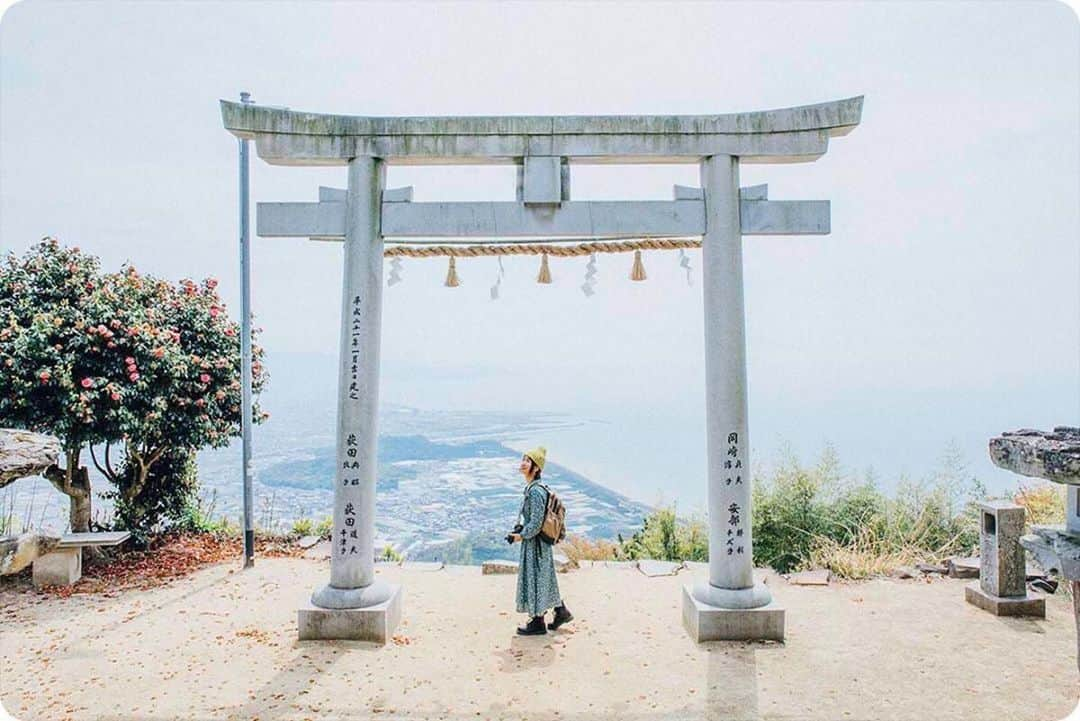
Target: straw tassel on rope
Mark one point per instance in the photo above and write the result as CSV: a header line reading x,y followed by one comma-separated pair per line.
x,y
545,271
451,275
638,271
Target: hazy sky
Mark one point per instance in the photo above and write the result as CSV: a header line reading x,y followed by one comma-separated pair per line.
x,y
952,266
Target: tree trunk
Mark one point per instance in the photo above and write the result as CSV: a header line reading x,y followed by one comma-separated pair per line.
x,y
73,481
79,516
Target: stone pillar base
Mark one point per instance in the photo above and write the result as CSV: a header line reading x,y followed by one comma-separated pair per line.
x,y
710,623
62,567
372,623
1005,605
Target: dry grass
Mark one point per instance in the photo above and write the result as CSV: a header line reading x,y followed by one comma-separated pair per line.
x,y
864,557
579,548
1045,503
879,551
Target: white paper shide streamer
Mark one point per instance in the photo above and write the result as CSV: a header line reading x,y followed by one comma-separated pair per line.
x,y
590,277
684,262
498,280
395,272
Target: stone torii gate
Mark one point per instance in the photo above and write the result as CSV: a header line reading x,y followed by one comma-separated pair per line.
x,y
356,605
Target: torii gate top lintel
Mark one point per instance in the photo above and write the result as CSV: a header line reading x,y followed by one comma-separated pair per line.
x,y
795,134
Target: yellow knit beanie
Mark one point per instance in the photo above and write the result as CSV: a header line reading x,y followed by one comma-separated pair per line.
x,y
538,455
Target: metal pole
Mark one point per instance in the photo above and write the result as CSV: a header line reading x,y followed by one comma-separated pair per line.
x,y
245,345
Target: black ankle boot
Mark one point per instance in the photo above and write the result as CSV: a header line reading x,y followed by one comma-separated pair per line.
x,y
535,627
562,615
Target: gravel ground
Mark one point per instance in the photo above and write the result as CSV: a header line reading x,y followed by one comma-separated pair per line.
x,y
221,644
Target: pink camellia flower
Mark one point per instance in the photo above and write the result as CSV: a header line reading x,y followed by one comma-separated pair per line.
x,y
101,328
131,368
200,402
129,360
214,310
115,396
133,377
111,344
159,352
86,383
204,378
114,323
230,332
211,282
45,375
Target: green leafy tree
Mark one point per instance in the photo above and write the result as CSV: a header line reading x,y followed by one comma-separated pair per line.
x,y
48,300
139,365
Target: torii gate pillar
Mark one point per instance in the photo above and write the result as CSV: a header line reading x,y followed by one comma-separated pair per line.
x,y
730,605
355,605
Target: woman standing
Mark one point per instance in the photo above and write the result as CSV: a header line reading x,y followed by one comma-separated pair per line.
x,y
537,587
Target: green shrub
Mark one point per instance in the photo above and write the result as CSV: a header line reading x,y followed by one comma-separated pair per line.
x,y
169,488
389,554
807,517
664,537
303,527
325,527
198,517
817,517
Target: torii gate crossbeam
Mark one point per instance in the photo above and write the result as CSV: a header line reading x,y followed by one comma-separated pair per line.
x,y
729,605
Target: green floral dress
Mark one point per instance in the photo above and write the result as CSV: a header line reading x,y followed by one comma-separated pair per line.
x,y
537,587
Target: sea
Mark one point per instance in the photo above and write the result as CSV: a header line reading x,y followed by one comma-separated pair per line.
x,y
448,485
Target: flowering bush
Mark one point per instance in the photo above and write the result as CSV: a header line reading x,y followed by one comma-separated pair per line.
x,y
123,359
47,300
177,372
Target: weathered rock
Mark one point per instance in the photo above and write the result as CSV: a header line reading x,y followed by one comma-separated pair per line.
x,y
1055,549
964,567
23,453
18,552
929,568
1045,585
815,577
497,567
903,572
659,568
1054,456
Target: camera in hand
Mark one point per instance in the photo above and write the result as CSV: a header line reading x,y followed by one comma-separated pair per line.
x,y
517,529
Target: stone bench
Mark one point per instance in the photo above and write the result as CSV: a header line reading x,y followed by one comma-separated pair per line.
x,y
63,565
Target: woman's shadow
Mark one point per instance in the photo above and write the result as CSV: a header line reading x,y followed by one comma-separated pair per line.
x,y
526,653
